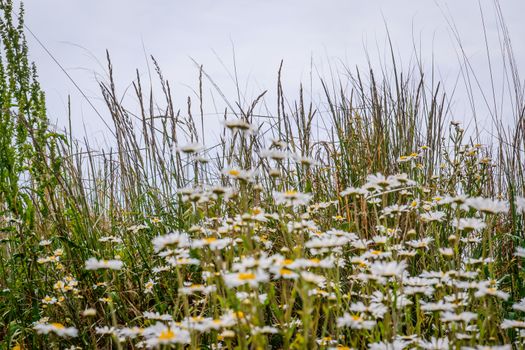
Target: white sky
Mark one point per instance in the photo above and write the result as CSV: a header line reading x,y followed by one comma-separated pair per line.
x,y
262,31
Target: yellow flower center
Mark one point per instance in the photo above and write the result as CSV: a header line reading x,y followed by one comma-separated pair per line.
x,y
166,335
285,272
291,193
287,261
210,239
243,276
58,325
234,172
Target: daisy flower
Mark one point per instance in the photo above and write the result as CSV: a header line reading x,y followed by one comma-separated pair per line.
x,y
432,216
485,290
161,334
57,328
292,198
470,224
435,344
94,264
388,269
176,239
355,322
190,148
520,252
512,324
251,278
519,306
239,125
239,174
487,205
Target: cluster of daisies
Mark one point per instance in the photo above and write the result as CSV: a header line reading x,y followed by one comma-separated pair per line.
x,y
396,268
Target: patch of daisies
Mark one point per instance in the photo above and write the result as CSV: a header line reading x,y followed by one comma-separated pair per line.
x,y
280,271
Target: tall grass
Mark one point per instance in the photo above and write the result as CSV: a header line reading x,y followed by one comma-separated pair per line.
x,y
295,198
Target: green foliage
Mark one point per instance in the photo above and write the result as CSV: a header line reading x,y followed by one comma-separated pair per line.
x,y
28,149
29,169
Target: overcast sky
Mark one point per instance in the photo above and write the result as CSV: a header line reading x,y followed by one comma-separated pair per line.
x,y
263,32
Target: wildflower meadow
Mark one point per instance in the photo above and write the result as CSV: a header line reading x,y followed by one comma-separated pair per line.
x,y
369,220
